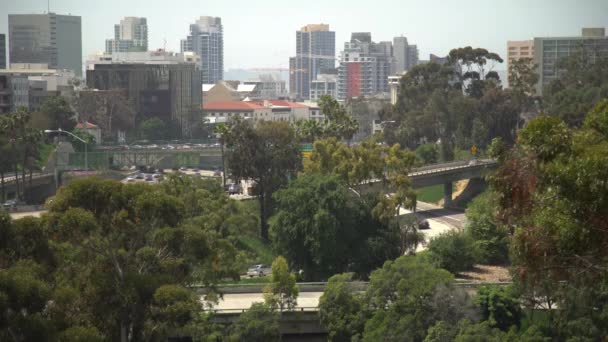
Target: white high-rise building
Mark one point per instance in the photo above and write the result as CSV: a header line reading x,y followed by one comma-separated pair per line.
x,y
405,55
130,35
206,39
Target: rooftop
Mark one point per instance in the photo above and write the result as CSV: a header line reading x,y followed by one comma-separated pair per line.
x,y
231,105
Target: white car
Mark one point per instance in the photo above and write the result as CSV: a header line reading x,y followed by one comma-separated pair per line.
x,y
260,270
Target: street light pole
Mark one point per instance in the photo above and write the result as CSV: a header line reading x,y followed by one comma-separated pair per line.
x,y
86,159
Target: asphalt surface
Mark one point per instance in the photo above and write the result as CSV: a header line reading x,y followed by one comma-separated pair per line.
x,y
239,301
452,217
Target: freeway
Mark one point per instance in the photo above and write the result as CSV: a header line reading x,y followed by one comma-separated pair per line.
x,y
451,217
307,301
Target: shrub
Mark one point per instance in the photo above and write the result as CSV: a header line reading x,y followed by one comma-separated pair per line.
x,y
452,251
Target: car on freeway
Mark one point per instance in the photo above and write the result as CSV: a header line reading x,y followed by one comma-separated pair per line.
x,y
149,178
259,270
140,176
235,189
183,168
196,169
10,204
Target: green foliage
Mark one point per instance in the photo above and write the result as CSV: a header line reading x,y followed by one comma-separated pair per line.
x,y
523,76
282,292
81,334
427,153
457,105
258,324
153,129
490,239
552,197
59,112
341,309
469,332
546,137
112,261
19,150
84,135
313,213
401,293
337,122
261,249
452,251
265,153
581,86
322,227
500,306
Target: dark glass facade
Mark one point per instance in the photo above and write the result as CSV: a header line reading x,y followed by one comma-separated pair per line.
x,y
169,91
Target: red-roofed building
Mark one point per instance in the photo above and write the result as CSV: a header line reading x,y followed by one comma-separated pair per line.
x,y
91,129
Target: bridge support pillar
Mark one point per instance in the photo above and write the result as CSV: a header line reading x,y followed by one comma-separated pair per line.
x,y
447,194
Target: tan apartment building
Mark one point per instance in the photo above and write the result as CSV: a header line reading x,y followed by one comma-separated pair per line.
x,y
518,49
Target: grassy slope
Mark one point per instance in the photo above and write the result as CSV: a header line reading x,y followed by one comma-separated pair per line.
x,y
257,246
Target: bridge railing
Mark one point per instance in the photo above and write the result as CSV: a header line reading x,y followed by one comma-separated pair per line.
x,y
238,311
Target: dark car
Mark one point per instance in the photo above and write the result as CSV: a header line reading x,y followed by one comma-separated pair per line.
x,y
424,224
10,204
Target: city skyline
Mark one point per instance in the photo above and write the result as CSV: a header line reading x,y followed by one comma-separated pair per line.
x,y
421,22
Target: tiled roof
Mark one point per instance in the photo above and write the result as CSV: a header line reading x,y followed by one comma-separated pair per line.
x,y
280,103
86,125
231,105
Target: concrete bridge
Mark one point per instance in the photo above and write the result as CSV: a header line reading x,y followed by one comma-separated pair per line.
x,y
209,158
301,324
445,174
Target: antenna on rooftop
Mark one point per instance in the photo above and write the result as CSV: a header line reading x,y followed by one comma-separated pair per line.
x,y
48,6
165,44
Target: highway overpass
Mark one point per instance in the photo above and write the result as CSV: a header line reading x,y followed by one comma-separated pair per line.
x,y
445,174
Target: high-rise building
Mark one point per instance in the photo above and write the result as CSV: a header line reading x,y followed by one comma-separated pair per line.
x,y
292,77
52,39
158,83
324,84
315,52
268,86
548,51
405,55
364,67
206,39
130,35
412,56
2,51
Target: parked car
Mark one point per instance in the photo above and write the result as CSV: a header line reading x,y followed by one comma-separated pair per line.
x,y
235,189
140,176
259,270
217,173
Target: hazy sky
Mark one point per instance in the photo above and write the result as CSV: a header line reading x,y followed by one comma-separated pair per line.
x,y
261,33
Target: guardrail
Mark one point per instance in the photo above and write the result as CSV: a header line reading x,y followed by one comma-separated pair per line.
x,y
320,286
239,311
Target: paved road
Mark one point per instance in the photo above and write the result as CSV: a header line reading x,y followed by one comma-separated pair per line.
x,y
15,216
440,220
238,301
452,217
